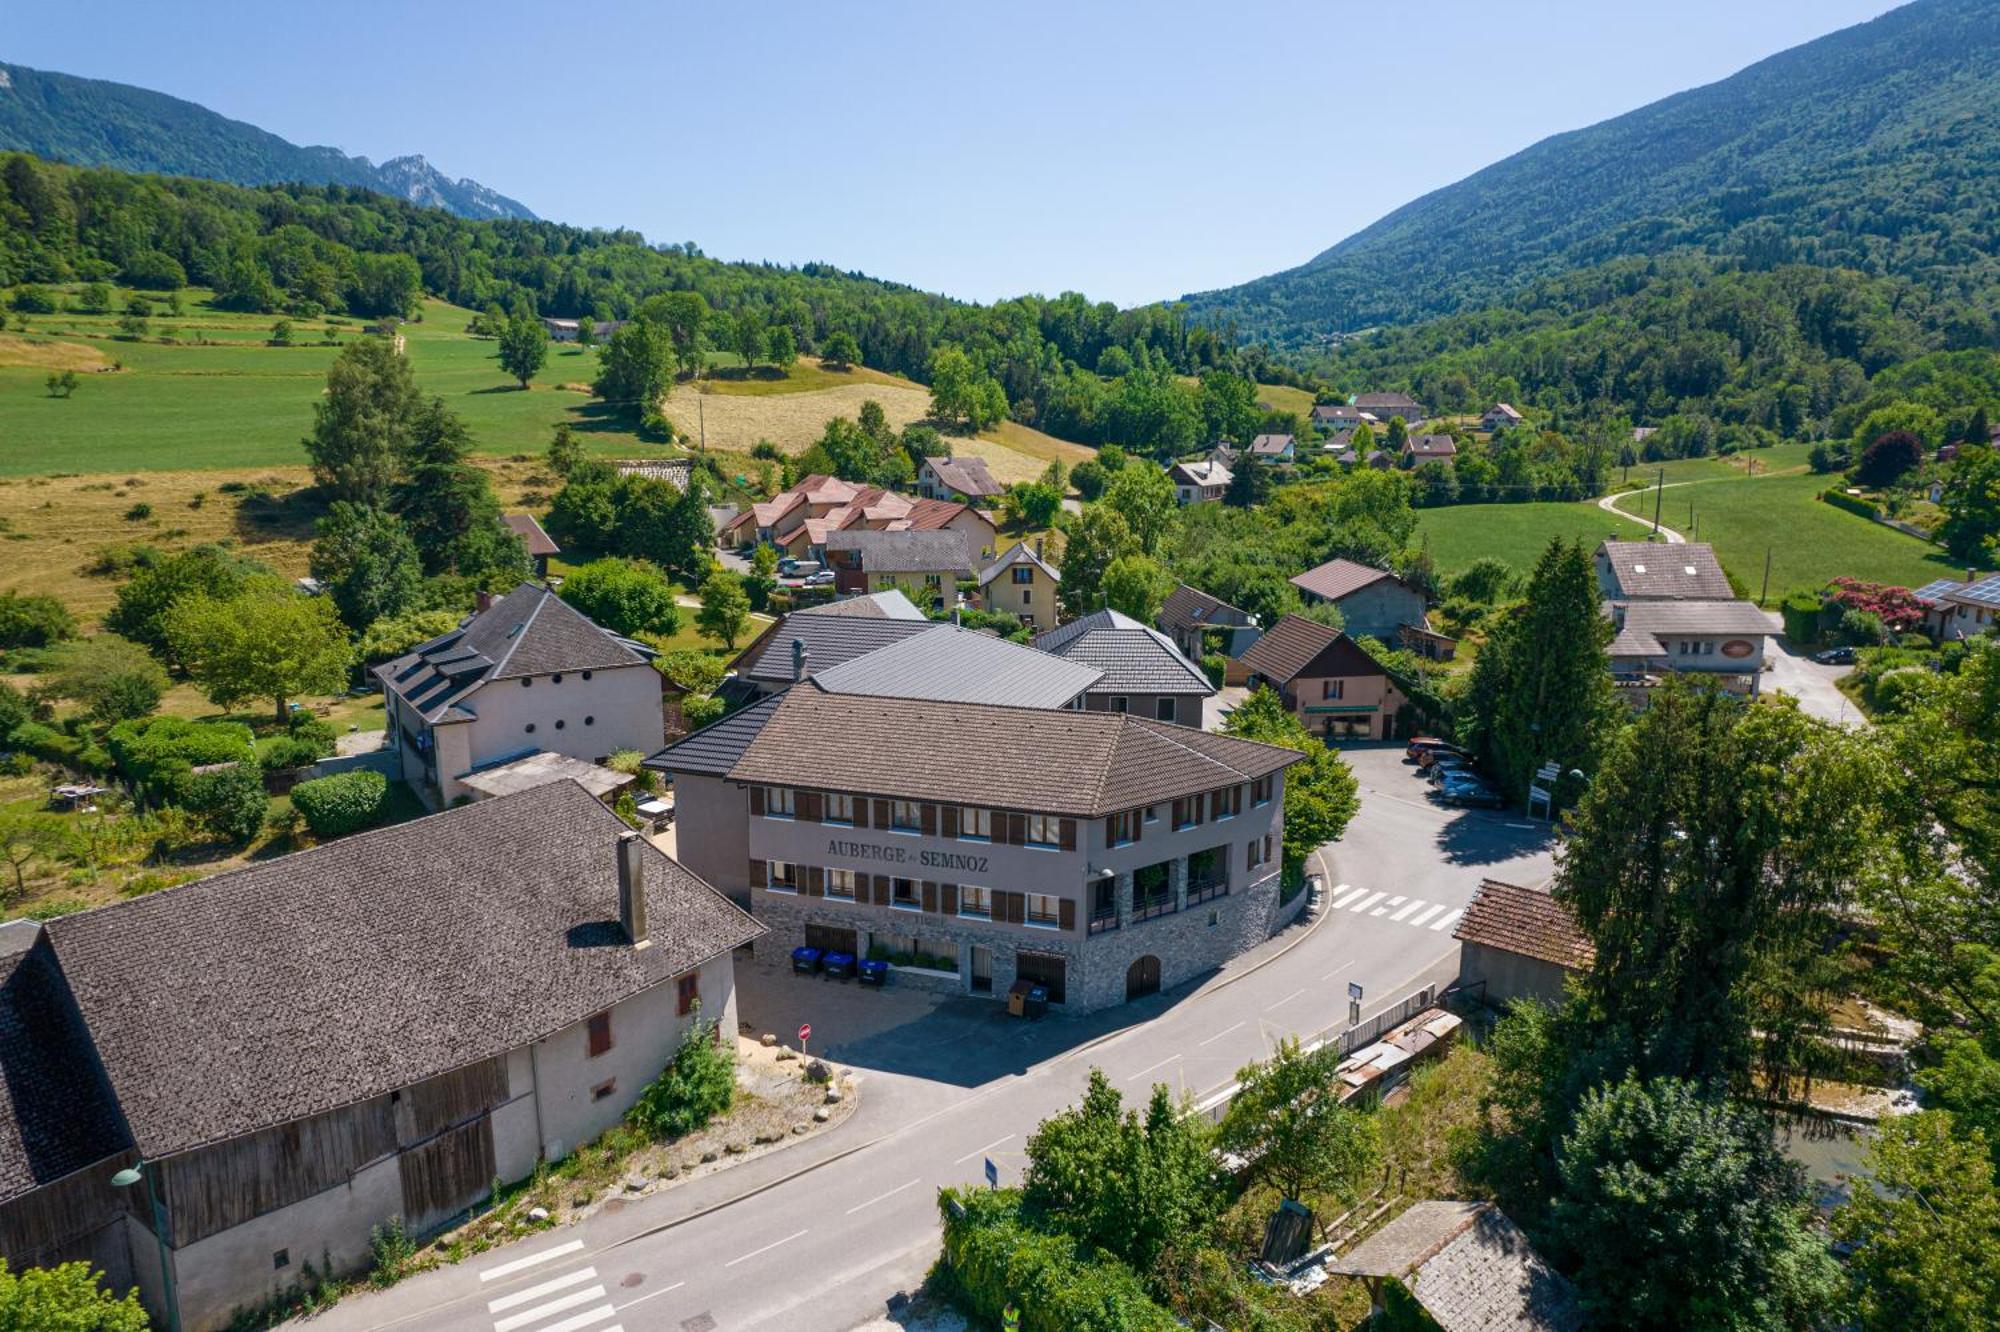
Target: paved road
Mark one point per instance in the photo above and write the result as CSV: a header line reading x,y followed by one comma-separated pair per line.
x,y
824,1233
1794,672
1609,503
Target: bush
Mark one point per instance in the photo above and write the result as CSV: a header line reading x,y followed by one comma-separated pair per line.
x,y
288,751
343,803
31,299
698,1085
230,802
1216,667
156,754
1863,629
315,731
996,1259
1896,689
1886,461
1801,612
34,620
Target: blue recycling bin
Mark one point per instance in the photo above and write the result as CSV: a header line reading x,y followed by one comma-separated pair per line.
x,y
805,961
873,973
839,966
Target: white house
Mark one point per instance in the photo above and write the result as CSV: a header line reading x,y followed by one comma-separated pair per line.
x,y
1201,482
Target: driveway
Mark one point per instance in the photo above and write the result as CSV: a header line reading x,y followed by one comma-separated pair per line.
x,y
1794,672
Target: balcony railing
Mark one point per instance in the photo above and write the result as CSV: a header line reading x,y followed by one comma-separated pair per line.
x,y
1203,890
1151,907
1099,924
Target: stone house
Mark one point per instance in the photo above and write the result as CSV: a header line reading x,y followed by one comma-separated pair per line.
x,y
1517,942
1325,679
1672,610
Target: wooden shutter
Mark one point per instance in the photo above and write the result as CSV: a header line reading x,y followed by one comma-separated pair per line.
x,y
881,890
948,898
1017,830
1137,818
927,819
1068,835
757,874
816,881
811,805
860,806
1068,914
756,800
951,820
882,814
930,898
1010,908
1111,830
1196,804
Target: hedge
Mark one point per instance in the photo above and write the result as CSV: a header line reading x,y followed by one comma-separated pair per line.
x,y
52,746
1801,612
343,803
1840,499
156,753
996,1259
1216,667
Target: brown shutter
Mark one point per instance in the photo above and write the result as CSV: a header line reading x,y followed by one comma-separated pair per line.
x,y
1111,830
948,898
1010,908
927,819
930,896
881,890
882,814
809,806
757,874
1017,830
756,800
861,811
1068,914
951,820
816,881
1138,819
1196,803
1068,835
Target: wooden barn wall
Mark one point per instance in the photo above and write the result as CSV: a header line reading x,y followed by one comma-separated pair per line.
x,y
446,1175
428,1108
213,1188
50,1224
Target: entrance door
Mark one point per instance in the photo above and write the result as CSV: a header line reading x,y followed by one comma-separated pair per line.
x,y
830,940
1142,977
982,970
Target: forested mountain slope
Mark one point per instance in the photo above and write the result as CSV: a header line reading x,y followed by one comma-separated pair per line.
x,y
1875,148
93,122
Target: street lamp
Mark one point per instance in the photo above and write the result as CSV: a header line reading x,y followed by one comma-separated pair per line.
x,y
125,1179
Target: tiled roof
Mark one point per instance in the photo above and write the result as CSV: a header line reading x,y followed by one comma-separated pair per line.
x,y
1470,1267
57,1114
717,747
1271,445
524,526
1018,553
1431,446
1339,578
950,664
1653,570
530,631
1528,921
1698,617
890,605
1086,764
1334,411
926,514
1386,405
941,550
967,476
1191,608
830,640
1206,472
1135,658
297,985
1294,644
1503,409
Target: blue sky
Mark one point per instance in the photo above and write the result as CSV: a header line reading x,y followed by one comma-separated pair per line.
x,y
1132,152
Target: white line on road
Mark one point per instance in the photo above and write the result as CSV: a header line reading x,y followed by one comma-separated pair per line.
x,y
1130,1077
1426,914
555,1306
775,1243
978,1151
1521,825
1444,922
1383,910
880,1196
504,1269
1218,1036
533,1293
585,1319
1367,902
664,1290
1415,902
1347,896
1337,970
1287,999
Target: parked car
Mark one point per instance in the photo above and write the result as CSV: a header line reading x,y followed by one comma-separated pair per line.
x,y
1835,656
1447,765
1427,744
797,568
823,578
1466,789
1441,754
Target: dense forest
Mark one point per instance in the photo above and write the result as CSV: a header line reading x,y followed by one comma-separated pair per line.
x,y
1873,148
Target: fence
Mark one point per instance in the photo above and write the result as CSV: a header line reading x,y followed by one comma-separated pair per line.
x,y
1344,1043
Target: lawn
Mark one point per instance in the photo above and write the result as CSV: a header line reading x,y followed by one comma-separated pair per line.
x,y
1285,398
1778,460
1517,533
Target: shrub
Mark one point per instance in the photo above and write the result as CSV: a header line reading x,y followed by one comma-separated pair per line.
x,y
33,620
156,754
288,751
1863,629
1893,454
315,731
1216,667
698,1085
1801,612
52,746
31,299
343,803
229,802
1895,690
996,1259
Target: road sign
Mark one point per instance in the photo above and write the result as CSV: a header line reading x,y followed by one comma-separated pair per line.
x,y
992,1174
805,1032
1354,992
1548,772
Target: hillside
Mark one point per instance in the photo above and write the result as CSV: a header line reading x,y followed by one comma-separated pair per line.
x,y
93,122
1874,148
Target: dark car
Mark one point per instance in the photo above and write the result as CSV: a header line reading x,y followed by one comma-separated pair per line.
x,y
1469,790
1448,765
1422,744
1835,656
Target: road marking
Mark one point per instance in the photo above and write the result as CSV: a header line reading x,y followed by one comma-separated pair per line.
x,y
1130,1077
1346,896
976,1151
1286,1000
519,1264
1528,826
1445,921
1415,902
1337,970
1367,902
585,1319
664,1290
555,1306
1426,914
533,1293
1218,1036
1383,910
788,1239
879,1197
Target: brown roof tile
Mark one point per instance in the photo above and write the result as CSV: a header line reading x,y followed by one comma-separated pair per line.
x,y
1339,578
1296,646
1528,921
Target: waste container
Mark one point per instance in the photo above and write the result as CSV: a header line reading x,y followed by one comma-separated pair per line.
x,y
1027,999
839,966
873,973
805,960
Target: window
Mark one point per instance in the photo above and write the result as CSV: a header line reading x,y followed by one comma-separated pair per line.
x,y
1044,830
778,801
600,1033
556,678
526,681
586,675
1260,791
839,808
840,884
1163,709
1256,857
1187,812
1125,828
903,893
782,876
1027,596
687,996
1228,802
1152,813
281,1259
904,816
559,724
1331,688
603,1090
1044,911
1023,574
975,824
932,580
1120,705
974,901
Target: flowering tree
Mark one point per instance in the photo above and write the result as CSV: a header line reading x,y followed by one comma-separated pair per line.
x,y
1897,606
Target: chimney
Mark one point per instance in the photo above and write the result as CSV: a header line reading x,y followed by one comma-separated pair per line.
x,y
1972,575
799,655
632,887
1038,547
482,601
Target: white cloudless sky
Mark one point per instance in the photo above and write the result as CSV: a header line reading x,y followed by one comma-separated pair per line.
x,y
1130,151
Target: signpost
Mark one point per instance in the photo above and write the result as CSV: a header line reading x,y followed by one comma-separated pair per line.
x,y
805,1034
1354,1003
992,1174
1542,790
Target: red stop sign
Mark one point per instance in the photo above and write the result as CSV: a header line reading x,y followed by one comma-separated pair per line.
x,y
805,1032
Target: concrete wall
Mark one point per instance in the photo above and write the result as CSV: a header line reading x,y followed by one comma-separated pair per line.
x,y
1377,610
1185,709
1509,976
1372,699
712,833
618,708
980,533
1034,601
1704,652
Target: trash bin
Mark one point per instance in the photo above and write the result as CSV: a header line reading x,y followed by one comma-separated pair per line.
x,y
873,973
839,966
1038,1001
1027,999
805,960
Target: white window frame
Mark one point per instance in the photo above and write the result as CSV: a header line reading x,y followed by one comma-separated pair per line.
x,y
916,811
781,802
773,868
967,892
1052,921
852,880
839,808
915,901
1048,824
984,817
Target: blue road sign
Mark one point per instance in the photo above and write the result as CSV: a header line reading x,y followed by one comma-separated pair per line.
x,y
992,1174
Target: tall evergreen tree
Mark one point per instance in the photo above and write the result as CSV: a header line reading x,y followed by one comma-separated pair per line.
x,y
362,424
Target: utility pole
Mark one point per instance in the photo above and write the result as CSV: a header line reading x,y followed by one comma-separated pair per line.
x,y
1659,494
1763,593
701,414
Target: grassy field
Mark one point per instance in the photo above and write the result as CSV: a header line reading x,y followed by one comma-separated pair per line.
x,y
1778,460
1516,533
1285,398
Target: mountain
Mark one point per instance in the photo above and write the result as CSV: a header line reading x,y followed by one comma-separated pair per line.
x,y
1876,148
93,122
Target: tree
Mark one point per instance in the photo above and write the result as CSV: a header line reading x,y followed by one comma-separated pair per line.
x,y
1924,1229
840,349
448,505
1287,1121
1971,503
24,839
1541,688
781,348
636,368
747,332
61,383
625,596
1143,496
362,424
229,802
565,450
586,330
266,642
1321,793
955,382
1096,538
1030,505
110,677
524,347
1136,585
1652,1168
367,563
392,636
66,1298
684,315
1249,485
725,608
1486,580
140,609
1089,477
1399,435
1889,458
33,620
95,298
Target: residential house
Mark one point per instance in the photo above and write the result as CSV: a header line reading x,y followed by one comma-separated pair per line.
x,y
965,479
924,566
525,672
1022,584
1672,609
1374,602
797,521
1518,942
1380,459
1325,679
951,664
891,605
804,641
1202,482
1200,624
1500,416
539,544
565,330
1420,449
1274,448
1144,672
1468,1267
377,1028
1383,406
1331,416
1956,608
1101,856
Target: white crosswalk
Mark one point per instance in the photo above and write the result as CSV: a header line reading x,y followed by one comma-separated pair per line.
x,y
575,1300
1413,911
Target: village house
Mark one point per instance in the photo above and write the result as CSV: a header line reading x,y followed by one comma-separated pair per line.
x,y
526,672
1330,416
1384,406
1022,584
796,521
792,647
1518,942
539,544
1374,602
1672,610
1956,608
1100,855
1500,416
966,479
926,567
380,1027
1200,624
1202,482
1143,672
1325,679
1420,449
565,330
1273,449
1468,1267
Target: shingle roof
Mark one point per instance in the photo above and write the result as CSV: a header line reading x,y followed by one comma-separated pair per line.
x,y
926,514
1271,445
1470,1267
1431,446
829,640
941,550
1528,921
1135,658
1698,617
1334,411
1503,409
1339,578
57,1114
530,631
524,526
1191,608
1652,570
717,747
1203,472
1086,764
1292,646
308,982
950,664
1018,553
967,476
890,605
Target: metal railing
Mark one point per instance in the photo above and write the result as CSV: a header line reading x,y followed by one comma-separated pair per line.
x,y
1152,908
1207,889
1102,924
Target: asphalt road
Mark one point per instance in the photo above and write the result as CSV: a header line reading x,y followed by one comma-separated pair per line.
x,y
1794,672
825,1233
